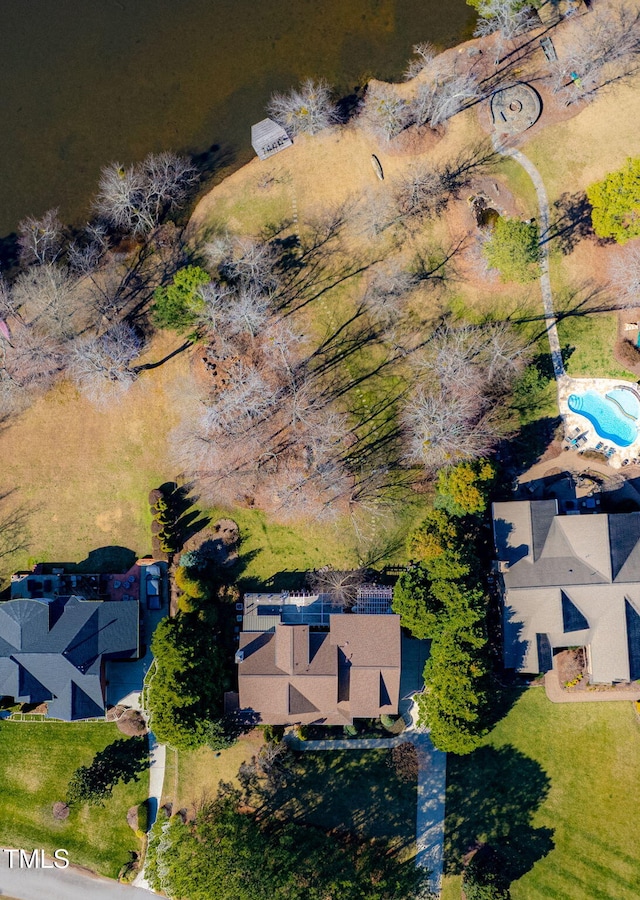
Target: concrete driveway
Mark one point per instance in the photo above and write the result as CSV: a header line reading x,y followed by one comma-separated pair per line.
x,y
61,884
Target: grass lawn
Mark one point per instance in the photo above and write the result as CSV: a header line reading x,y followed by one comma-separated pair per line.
x,y
36,762
190,774
556,788
593,338
572,155
353,789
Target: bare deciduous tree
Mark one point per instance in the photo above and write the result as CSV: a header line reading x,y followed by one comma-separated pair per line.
x,y
308,109
424,53
341,585
443,430
47,296
505,18
447,92
135,198
386,293
455,415
40,240
599,49
384,112
101,366
421,191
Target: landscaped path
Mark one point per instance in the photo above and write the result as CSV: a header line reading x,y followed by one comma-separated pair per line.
x,y
157,765
61,884
557,694
544,222
431,792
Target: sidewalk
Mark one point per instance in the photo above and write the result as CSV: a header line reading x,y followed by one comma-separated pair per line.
x,y
432,775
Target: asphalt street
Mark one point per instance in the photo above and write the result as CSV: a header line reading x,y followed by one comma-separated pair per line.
x,y
61,884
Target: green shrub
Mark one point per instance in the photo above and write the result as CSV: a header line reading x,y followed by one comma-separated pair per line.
x,y
143,817
387,721
194,559
350,730
273,734
513,250
615,203
189,584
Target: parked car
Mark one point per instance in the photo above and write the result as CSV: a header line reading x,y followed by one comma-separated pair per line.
x,y
153,590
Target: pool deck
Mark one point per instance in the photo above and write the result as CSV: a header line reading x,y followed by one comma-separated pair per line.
x,y
576,425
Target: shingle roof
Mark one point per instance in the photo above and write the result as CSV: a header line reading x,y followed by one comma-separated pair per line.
x,y
569,581
296,675
52,651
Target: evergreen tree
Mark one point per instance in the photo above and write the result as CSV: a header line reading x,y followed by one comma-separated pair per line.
x,y
177,305
513,250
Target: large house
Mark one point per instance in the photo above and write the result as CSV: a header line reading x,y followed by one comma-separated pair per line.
x,y
53,650
569,581
303,659
295,675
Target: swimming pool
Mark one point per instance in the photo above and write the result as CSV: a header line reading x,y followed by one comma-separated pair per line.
x,y
608,414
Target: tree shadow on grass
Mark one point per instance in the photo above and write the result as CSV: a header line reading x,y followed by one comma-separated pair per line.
x,y
100,560
492,797
348,791
571,221
526,447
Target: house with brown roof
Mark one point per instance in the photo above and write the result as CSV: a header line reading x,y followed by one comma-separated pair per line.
x,y
292,674
569,581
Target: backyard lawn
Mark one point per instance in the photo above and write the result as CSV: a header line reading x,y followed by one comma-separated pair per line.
x,y
556,788
36,762
351,789
191,774
593,339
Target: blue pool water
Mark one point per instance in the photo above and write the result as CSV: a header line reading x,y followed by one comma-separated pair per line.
x,y
627,400
607,415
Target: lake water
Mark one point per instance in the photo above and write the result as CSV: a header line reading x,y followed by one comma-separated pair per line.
x,y
85,82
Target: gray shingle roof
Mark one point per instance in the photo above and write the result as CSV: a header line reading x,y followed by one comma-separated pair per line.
x,y
569,581
53,651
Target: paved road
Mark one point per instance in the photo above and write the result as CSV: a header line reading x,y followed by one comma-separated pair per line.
x,y
544,222
61,884
432,774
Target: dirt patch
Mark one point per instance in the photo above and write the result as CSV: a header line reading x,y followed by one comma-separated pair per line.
x,y
218,543
572,669
132,723
60,810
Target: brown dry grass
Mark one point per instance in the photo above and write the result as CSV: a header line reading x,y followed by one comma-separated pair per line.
x,y
572,155
85,472
199,772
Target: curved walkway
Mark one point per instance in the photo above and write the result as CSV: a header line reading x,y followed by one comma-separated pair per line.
x,y
545,281
432,770
557,694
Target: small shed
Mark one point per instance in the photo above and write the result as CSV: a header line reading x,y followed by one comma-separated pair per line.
x,y
267,138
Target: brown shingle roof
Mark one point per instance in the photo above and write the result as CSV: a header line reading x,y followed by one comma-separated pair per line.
x,y
294,675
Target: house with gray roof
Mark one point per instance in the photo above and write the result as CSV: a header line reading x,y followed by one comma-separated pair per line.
x,y
53,650
292,674
569,581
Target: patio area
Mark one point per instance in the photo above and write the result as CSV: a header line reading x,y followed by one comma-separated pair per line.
x,y
581,433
